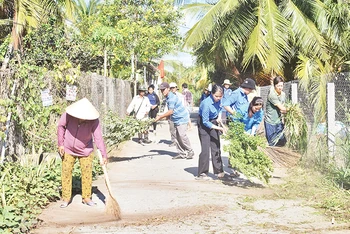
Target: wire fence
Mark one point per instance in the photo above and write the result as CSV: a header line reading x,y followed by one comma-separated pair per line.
x,y
106,94
342,98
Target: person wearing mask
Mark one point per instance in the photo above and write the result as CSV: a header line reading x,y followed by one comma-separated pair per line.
x,y
155,102
77,128
179,116
209,130
275,108
251,114
140,106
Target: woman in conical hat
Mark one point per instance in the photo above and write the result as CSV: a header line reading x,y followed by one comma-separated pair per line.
x,y
77,128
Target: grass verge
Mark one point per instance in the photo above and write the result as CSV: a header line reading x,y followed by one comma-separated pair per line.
x,y
317,191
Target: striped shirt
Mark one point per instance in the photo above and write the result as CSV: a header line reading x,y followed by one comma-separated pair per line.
x,y
209,110
180,114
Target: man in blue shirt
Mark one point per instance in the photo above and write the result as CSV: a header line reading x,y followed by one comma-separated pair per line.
x,y
179,115
238,97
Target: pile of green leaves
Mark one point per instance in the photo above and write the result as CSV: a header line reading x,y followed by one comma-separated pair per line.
x,y
26,188
121,129
296,128
245,154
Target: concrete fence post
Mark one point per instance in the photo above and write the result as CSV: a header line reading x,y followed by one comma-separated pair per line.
x,y
331,119
294,87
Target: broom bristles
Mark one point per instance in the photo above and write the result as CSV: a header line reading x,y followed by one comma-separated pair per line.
x,y
112,207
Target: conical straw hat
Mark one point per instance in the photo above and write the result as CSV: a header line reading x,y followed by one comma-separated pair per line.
x,y
83,109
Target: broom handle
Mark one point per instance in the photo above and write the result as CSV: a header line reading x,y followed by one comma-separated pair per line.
x,y
104,170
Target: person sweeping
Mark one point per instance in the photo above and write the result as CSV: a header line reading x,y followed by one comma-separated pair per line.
x,y
78,126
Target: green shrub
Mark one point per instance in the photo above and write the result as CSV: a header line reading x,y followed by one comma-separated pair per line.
x,y
245,155
27,187
25,190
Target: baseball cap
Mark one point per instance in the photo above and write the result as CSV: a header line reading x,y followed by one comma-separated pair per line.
x,y
164,85
248,84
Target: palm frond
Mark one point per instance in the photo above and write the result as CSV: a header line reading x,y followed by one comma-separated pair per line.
x,y
203,30
307,36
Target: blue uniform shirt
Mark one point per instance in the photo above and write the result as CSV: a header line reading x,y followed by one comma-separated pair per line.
x,y
180,114
209,110
242,116
152,98
227,92
235,100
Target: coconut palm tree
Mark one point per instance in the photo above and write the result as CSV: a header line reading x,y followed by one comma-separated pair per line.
x,y
84,15
266,36
84,8
262,35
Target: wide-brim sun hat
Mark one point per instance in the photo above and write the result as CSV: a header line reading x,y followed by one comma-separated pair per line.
x,y
142,88
172,85
83,109
227,81
248,84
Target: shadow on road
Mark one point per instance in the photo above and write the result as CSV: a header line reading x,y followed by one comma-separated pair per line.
x,y
99,194
153,153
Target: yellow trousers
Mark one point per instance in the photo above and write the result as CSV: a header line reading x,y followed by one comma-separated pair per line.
x,y
86,175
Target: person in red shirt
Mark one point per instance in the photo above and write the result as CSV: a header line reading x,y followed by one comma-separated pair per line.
x,y
77,128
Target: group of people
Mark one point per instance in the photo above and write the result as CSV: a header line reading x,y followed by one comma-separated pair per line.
x,y
144,106
79,126
224,105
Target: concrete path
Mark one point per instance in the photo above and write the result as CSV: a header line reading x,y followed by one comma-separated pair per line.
x,y
157,195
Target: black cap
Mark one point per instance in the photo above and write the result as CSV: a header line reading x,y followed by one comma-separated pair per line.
x,y
248,84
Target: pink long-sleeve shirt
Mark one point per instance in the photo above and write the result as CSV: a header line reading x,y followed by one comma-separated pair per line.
x,y
77,138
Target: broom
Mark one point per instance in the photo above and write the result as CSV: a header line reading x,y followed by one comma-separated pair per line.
x,y
112,206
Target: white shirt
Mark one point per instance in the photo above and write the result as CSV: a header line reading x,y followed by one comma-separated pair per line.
x,y
141,105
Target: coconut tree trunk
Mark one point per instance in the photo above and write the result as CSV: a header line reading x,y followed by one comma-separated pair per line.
x,y
14,45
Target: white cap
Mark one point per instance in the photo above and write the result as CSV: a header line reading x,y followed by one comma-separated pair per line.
x,y
83,109
172,85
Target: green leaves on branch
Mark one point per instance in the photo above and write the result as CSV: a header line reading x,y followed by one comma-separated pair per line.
x,y
119,130
245,154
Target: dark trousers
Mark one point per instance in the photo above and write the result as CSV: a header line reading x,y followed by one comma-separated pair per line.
x,y
274,134
210,144
153,114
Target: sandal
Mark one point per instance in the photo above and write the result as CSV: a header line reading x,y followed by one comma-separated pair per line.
x,y
64,204
235,174
89,203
